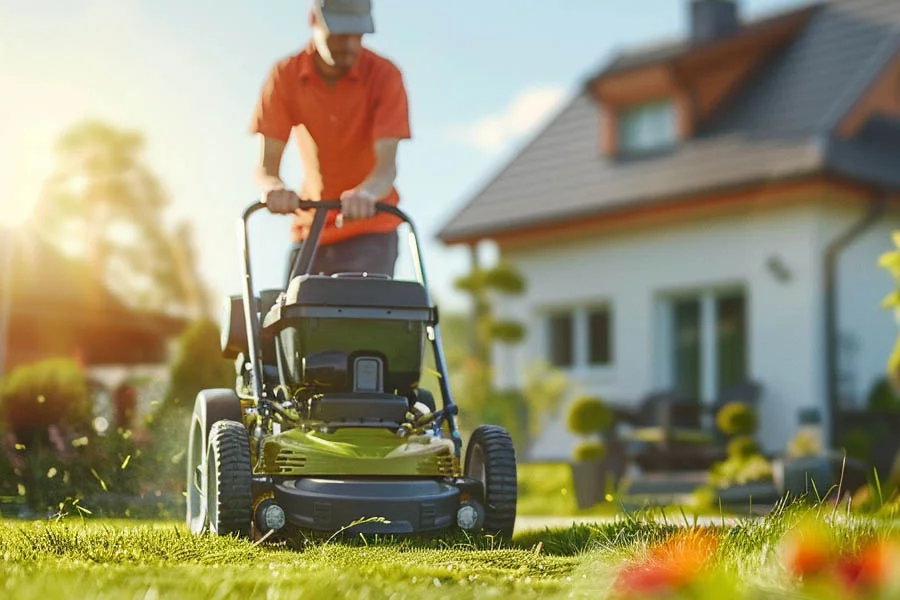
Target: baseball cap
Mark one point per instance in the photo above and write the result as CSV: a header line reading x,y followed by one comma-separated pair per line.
x,y
346,16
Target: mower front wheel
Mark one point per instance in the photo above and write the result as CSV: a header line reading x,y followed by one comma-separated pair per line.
x,y
229,495
210,407
491,459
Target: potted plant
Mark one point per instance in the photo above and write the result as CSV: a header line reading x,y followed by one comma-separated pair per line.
x,y
590,418
804,468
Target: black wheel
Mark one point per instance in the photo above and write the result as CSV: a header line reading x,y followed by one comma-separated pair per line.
x,y
491,459
228,492
210,407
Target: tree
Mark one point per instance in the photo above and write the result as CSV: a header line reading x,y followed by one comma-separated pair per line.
x,y
103,204
521,411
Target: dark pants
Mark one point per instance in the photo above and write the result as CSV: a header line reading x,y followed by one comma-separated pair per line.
x,y
369,253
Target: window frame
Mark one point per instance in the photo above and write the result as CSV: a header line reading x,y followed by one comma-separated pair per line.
x,y
658,116
581,335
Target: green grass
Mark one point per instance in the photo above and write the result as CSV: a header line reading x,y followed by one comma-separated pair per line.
x,y
122,559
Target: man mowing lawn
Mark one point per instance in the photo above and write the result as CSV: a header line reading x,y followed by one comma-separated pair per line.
x,y
348,108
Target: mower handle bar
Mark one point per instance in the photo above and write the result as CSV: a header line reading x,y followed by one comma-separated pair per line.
x,y
328,205
305,261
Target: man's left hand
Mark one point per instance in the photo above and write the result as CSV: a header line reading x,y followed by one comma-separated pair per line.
x,y
358,204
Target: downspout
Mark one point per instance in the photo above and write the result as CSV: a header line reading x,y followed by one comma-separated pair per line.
x,y
876,211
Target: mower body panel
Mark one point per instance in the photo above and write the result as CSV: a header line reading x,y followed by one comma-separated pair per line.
x,y
355,451
370,505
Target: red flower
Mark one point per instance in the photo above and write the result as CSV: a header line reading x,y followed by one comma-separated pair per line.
x,y
672,565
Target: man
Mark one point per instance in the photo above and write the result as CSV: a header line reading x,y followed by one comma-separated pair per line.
x,y
348,108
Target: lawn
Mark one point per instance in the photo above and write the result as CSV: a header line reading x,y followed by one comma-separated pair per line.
x,y
762,558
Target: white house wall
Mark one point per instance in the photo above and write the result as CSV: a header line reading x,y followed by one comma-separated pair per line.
x,y
632,269
867,332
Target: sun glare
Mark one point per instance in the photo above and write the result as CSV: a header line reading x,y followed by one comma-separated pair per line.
x,y
14,214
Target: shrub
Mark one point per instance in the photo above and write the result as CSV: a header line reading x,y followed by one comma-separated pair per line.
x,y
740,470
883,398
199,365
743,447
589,415
805,443
589,451
508,332
737,418
34,397
505,278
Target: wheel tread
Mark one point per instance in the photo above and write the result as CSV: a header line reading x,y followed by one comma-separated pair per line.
x,y
231,445
501,486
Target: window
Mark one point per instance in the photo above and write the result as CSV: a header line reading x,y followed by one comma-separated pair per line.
x,y
561,339
579,337
648,127
686,347
599,337
731,340
708,344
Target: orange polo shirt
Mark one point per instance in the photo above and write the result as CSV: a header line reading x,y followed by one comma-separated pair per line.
x,y
336,128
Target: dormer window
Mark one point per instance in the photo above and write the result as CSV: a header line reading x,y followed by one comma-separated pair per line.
x,y
648,127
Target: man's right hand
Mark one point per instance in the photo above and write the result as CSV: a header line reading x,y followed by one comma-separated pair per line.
x,y
280,200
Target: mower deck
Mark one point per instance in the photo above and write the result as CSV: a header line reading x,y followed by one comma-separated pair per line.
x,y
385,506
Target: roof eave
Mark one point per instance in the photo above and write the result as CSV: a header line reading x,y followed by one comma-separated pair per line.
x,y
687,48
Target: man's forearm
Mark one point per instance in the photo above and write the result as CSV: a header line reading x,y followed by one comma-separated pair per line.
x,y
267,173
380,182
382,178
266,179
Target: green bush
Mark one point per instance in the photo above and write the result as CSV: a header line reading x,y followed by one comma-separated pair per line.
x,y
737,418
52,392
743,447
198,365
508,332
504,278
858,444
883,398
588,415
740,470
589,451
805,443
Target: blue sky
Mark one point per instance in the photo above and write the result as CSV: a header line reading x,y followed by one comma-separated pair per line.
x,y
482,77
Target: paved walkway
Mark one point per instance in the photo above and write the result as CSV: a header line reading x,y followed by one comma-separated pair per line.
x,y
526,523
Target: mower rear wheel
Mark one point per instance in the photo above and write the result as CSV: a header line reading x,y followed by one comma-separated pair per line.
x,y
229,493
491,459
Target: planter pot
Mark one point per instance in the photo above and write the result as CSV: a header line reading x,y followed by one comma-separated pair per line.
x,y
589,480
809,475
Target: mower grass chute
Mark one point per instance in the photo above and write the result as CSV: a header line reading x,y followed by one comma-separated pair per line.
x,y
327,429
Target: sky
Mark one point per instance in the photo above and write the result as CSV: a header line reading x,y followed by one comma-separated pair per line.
x,y
482,77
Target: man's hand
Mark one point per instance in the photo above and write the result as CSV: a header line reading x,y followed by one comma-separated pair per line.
x,y
358,203
280,200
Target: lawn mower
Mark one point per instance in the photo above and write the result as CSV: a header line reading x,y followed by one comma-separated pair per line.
x,y
327,430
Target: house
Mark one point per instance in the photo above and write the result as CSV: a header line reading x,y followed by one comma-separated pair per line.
x,y
710,211
55,307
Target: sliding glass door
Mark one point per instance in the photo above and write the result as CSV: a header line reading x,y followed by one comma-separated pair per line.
x,y
708,342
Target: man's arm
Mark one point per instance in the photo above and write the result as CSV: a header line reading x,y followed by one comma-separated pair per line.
x,y
359,203
384,174
268,179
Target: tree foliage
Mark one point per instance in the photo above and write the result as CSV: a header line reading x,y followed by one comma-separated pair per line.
x,y
104,204
198,365
890,261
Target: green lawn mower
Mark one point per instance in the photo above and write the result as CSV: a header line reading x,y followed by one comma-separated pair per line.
x,y
327,430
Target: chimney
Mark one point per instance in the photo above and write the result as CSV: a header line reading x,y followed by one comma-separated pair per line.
x,y
713,19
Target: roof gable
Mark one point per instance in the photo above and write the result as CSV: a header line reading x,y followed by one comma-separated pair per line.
x,y
779,126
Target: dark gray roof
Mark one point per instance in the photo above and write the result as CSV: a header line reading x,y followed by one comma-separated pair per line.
x,y
779,127
634,58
